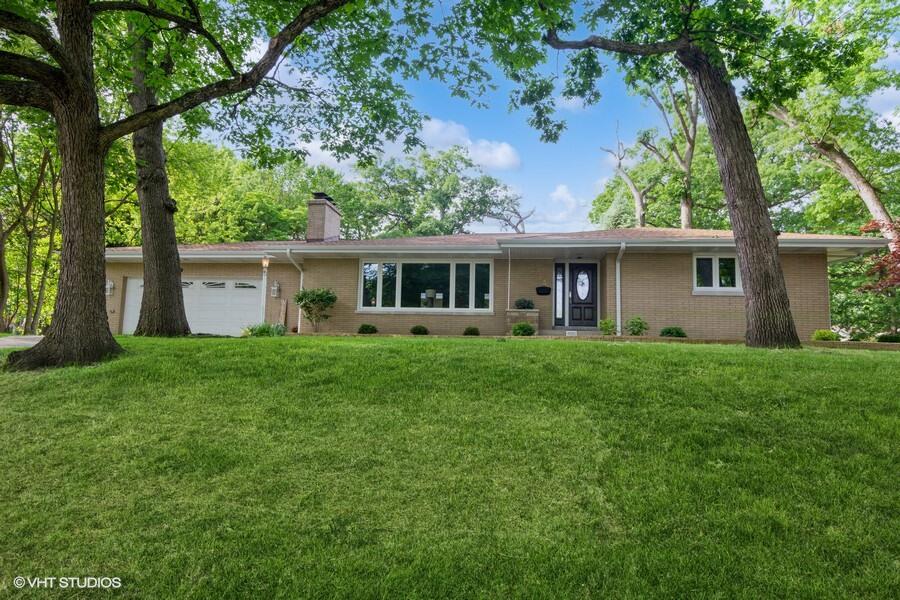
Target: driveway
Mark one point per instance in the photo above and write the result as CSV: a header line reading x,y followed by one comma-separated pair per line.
x,y
19,341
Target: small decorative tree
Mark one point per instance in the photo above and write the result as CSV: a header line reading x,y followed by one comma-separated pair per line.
x,y
315,303
886,269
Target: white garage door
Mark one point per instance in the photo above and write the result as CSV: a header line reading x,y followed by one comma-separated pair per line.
x,y
216,306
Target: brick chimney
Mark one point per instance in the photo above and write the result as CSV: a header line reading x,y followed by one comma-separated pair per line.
x,y
323,219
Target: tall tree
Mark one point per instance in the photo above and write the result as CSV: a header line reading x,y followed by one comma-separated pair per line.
x,y
23,176
682,107
57,75
831,116
162,302
441,193
638,193
713,42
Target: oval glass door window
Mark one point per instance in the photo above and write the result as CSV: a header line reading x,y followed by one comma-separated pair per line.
x,y
582,285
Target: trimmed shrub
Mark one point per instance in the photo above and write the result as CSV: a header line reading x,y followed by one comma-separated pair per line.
x,y
315,303
607,326
672,332
825,335
636,326
523,329
419,330
471,331
524,304
366,328
888,337
264,330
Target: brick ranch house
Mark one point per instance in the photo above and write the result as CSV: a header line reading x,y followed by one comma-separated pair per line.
x,y
670,277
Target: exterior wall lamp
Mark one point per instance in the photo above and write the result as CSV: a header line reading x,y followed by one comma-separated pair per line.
x,y
110,286
276,290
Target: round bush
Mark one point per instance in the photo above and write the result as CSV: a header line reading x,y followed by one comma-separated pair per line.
x,y
471,331
367,328
825,335
524,304
419,330
607,326
636,326
889,337
677,332
523,328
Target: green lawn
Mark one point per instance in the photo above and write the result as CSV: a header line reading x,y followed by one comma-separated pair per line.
x,y
411,467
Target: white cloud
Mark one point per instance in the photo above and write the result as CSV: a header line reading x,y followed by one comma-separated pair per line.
x,y
564,212
498,156
886,103
438,134
575,105
316,155
443,134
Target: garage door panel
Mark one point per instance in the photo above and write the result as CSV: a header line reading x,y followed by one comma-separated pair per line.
x,y
215,306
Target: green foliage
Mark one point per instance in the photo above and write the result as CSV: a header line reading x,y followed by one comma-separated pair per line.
x,y
471,331
523,328
676,332
607,326
524,304
367,329
888,338
860,313
264,330
315,303
825,335
441,193
636,326
418,330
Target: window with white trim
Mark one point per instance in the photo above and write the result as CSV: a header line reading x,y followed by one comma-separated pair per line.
x,y
716,273
425,286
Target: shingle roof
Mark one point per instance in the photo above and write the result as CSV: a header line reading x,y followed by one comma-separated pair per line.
x,y
492,239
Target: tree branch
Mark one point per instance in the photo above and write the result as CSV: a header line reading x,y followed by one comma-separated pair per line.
x,y
25,93
52,78
151,11
277,45
552,39
16,24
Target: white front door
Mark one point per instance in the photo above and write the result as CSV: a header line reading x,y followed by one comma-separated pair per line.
x,y
213,305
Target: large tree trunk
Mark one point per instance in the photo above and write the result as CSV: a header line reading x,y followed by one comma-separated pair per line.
x,y
162,306
769,319
843,164
29,281
80,331
637,196
4,277
687,211
870,197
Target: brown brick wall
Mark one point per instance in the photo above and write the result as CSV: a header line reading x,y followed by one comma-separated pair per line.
x,y
659,288
285,274
656,286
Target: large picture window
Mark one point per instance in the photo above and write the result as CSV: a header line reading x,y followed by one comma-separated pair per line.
x,y
716,273
417,285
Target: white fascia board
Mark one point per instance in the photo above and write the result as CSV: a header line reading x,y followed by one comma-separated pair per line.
x,y
301,251
868,243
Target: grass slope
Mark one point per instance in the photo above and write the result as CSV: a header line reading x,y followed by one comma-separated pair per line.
x,y
385,467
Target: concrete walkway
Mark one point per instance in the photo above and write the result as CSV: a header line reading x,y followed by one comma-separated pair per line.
x,y
19,341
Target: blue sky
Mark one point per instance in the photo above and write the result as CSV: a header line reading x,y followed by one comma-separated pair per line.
x,y
558,180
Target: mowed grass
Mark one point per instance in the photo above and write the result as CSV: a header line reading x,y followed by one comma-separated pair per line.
x,y
411,467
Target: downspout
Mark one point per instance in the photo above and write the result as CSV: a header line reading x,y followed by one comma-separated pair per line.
x,y
299,267
619,289
508,276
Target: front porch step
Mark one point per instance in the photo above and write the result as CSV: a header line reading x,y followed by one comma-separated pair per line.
x,y
572,331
